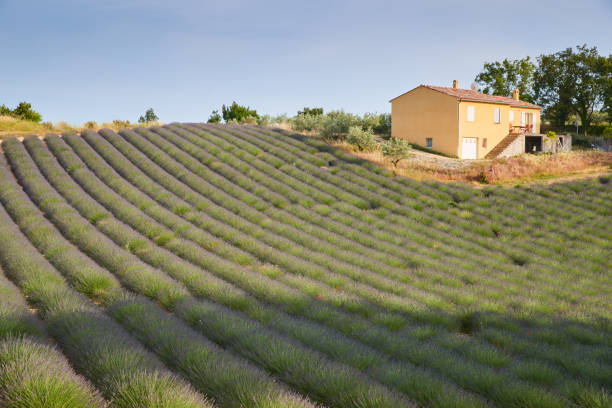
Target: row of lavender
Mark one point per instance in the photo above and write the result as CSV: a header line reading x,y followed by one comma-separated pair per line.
x,y
341,272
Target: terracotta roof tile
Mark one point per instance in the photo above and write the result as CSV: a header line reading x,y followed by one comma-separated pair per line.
x,y
469,95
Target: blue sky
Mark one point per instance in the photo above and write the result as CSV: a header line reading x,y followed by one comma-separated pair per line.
x,y
78,60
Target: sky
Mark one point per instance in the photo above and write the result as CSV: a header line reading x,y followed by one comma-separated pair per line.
x,y
79,60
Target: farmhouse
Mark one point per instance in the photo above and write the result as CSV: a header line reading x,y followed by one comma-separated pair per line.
x,y
470,124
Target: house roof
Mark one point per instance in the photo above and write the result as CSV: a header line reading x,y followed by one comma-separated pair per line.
x,y
469,95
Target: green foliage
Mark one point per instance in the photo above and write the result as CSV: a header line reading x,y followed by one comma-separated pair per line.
x,y
148,117
214,117
573,81
362,139
607,132
502,78
336,124
396,149
23,111
383,127
307,122
311,111
564,83
282,118
238,113
264,120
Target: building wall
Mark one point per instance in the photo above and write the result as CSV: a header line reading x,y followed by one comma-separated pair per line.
x,y
484,125
556,147
424,113
515,148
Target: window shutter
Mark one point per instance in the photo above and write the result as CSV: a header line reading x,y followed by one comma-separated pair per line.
x,y
470,113
511,116
497,115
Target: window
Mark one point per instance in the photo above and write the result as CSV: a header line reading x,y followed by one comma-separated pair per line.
x,y
523,118
484,142
470,113
511,116
497,115
429,141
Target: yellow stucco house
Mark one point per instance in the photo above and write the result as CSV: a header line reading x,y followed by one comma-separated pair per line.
x,y
468,124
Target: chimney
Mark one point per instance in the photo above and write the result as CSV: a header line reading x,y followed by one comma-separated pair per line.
x,y
515,94
455,84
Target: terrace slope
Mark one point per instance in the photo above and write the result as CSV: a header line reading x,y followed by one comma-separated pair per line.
x,y
243,266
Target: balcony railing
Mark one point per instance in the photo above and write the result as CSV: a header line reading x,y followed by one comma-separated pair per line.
x,y
522,128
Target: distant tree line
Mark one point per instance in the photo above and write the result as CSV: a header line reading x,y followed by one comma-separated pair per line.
x,y
572,82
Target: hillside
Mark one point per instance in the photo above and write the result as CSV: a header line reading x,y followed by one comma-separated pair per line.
x,y
194,265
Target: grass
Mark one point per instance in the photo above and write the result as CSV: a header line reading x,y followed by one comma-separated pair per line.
x,y
271,269
12,127
523,169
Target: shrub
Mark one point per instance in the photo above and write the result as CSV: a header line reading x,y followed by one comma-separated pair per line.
x,y
249,119
396,150
90,125
63,127
282,118
214,117
119,124
307,122
607,132
362,139
264,120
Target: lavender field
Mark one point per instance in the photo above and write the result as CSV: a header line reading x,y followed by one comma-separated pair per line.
x,y
197,265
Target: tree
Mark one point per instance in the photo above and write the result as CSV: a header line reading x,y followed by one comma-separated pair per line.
x,y
501,78
572,82
395,150
607,70
214,117
24,111
5,111
149,116
336,124
362,139
607,132
311,111
238,113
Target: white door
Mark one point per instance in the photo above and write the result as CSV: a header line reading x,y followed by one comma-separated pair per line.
x,y
468,148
